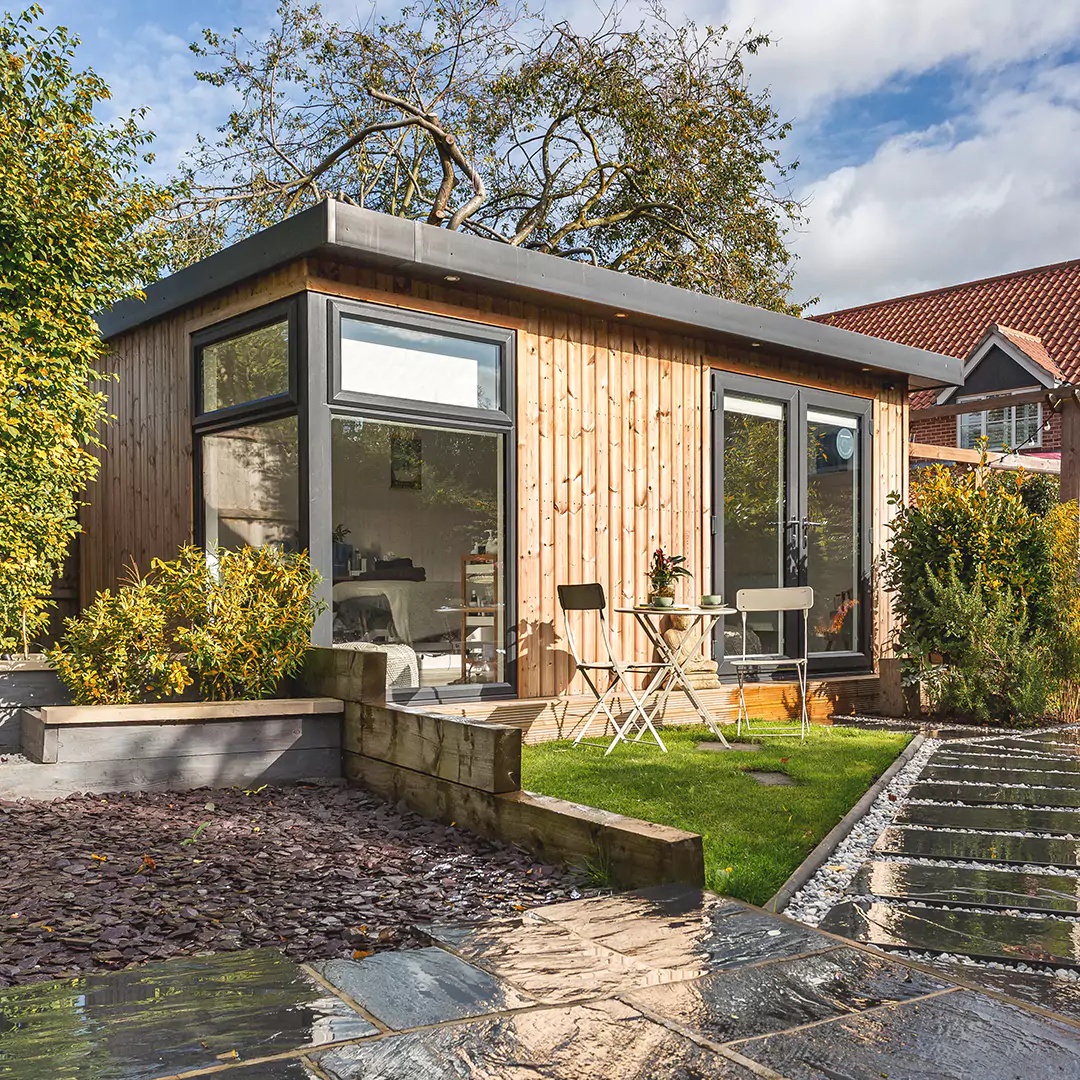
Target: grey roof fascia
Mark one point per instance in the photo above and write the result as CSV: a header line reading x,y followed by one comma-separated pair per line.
x,y
302,234
410,246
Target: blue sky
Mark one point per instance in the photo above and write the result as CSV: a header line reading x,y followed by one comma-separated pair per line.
x,y
939,139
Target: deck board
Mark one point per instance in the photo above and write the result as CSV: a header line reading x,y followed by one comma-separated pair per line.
x,y
544,719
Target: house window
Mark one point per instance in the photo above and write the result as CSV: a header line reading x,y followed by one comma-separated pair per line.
x,y
421,444
1005,429
246,432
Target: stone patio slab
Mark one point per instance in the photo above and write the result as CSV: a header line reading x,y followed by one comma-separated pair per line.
x,y
955,1036
991,818
980,847
1008,777
420,986
546,961
164,1018
1006,889
975,794
1050,743
784,994
607,1040
986,937
677,927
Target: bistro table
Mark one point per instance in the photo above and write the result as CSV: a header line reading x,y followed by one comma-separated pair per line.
x,y
673,674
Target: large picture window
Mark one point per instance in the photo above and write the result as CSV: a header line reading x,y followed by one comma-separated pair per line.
x,y
420,444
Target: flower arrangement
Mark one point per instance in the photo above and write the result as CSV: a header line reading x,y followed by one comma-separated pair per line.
x,y
663,572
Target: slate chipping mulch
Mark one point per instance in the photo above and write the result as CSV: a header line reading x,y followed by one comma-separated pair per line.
x,y
99,882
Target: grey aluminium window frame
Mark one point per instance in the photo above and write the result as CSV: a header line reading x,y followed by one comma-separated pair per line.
x,y
326,399
275,407
797,399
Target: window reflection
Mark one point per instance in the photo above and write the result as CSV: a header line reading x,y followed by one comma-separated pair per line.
x,y
250,492
418,549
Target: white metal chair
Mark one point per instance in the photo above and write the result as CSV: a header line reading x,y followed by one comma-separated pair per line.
x,y
787,599
585,598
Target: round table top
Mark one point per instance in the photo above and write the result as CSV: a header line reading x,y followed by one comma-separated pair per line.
x,y
646,609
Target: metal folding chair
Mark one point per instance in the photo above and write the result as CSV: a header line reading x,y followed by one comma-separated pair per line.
x,y
779,600
585,598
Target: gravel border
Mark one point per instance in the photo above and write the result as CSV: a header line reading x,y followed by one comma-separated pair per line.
x,y
828,886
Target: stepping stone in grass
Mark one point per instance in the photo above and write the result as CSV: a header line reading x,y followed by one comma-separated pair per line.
x,y
720,748
771,779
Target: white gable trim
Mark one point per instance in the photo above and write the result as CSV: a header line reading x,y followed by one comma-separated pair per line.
x,y
993,337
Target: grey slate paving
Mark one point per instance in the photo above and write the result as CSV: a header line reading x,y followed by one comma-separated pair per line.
x,y
159,1019
991,818
980,847
420,986
943,791
955,1036
1008,777
986,937
1006,889
674,927
1025,762
786,993
608,1040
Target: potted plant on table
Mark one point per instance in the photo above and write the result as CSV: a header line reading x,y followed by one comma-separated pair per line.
x,y
662,574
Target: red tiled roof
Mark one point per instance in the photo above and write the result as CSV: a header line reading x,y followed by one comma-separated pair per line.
x,y
1041,304
1033,348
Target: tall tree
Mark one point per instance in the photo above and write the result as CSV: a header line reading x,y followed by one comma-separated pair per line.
x,y
71,204
642,149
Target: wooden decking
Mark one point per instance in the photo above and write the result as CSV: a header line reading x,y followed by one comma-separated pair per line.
x,y
543,719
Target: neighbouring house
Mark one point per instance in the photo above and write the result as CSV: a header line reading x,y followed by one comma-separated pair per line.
x,y
453,427
1018,336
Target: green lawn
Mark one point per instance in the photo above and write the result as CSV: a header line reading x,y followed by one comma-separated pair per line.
x,y
754,836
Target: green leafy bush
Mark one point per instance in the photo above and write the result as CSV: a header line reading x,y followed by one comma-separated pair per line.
x,y
983,572
119,649
997,669
242,617
234,622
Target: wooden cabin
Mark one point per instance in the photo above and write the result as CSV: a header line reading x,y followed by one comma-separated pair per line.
x,y
453,427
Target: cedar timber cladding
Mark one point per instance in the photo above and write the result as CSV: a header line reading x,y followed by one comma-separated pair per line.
x,y
613,446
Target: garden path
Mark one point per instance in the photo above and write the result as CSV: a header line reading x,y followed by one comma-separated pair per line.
x,y
983,861
666,983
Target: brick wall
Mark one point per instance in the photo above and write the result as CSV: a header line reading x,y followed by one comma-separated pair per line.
x,y
941,430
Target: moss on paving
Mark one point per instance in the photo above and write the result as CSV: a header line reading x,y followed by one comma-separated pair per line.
x,y
754,836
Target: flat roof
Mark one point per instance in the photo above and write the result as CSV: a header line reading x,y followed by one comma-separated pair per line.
x,y
411,247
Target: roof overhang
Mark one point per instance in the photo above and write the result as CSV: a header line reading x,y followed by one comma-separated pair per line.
x,y
994,337
412,248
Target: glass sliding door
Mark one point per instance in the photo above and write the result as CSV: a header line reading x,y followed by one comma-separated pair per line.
x,y
792,508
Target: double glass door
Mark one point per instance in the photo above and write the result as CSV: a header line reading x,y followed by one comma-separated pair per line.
x,y
791,501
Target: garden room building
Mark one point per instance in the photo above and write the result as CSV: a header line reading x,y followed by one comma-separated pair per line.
x,y
454,427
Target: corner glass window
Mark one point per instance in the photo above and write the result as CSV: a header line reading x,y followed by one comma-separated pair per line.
x,y
402,362
249,485
418,549
245,368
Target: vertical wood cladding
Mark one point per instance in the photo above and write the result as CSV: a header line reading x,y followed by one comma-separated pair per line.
x,y
613,445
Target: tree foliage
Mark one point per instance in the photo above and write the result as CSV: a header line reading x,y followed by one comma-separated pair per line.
x,y
71,202
643,149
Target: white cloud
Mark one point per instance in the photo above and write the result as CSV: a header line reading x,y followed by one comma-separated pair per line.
x,y
990,192
827,50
